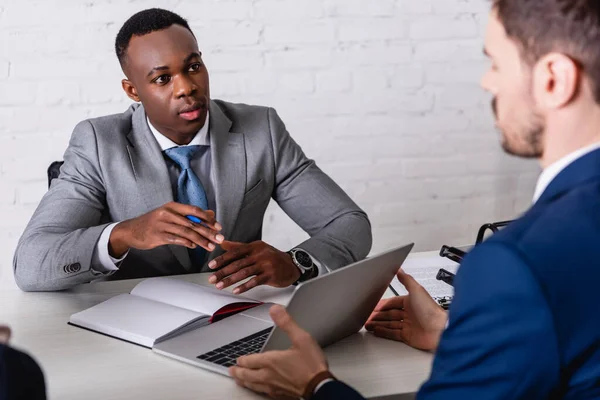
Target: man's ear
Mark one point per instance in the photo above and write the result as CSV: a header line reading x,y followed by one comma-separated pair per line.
x,y
130,90
558,79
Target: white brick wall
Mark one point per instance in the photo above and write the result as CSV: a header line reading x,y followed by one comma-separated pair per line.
x,y
383,94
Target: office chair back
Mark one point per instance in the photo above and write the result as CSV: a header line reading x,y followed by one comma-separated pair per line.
x,y
54,171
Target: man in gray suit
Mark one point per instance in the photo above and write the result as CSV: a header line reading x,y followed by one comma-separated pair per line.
x,y
180,184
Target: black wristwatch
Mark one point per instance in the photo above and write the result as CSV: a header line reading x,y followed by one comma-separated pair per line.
x,y
304,262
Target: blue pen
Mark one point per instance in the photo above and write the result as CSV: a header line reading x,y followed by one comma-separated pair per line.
x,y
194,219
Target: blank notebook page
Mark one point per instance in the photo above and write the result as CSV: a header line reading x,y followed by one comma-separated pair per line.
x,y
134,319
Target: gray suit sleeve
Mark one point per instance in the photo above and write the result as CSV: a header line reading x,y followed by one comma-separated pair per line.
x,y
56,248
340,232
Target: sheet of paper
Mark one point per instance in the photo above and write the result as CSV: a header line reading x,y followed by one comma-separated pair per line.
x,y
203,299
424,269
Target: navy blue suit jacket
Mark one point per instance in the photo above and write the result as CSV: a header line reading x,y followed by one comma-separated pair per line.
x,y
20,376
525,320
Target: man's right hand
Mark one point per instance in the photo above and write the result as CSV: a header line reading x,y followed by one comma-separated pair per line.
x,y
415,319
166,225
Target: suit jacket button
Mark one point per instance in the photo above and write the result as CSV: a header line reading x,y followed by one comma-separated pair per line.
x,y
72,268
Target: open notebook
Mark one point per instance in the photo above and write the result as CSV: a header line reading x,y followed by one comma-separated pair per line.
x,y
158,309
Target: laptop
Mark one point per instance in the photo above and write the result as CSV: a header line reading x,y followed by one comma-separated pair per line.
x,y
330,307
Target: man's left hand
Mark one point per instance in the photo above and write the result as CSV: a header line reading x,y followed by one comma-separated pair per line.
x,y
266,264
4,334
282,374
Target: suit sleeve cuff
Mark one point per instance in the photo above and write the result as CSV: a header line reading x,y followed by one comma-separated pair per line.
x,y
102,261
318,381
320,385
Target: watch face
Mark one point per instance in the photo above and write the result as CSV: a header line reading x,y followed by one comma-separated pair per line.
x,y
303,259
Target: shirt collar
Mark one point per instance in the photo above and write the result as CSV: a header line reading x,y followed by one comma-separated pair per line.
x,y
556,168
201,138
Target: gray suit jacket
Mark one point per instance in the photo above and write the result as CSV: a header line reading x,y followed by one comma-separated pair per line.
x,y
114,170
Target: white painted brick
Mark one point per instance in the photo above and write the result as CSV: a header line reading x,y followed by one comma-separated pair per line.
x,y
461,97
4,68
461,6
297,82
16,93
442,27
482,118
234,61
360,8
89,41
299,59
32,13
424,124
428,168
496,162
26,168
58,92
371,29
407,77
412,7
291,34
214,10
464,50
278,10
372,53
372,79
226,84
389,148
384,102
31,40
361,172
107,11
428,237
18,147
456,72
263,82
56,68
18,119
334,81
8,192
410,101
110,91
62,117
227,33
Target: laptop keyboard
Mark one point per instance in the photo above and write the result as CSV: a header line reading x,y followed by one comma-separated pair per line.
x,y
228,354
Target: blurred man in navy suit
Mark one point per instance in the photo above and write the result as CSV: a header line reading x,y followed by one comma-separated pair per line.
x,y
20,376
524,321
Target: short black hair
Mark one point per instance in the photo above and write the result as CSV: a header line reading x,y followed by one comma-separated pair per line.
x,y
570,27
143,23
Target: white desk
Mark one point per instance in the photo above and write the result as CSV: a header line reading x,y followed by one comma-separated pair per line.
x,y
84,365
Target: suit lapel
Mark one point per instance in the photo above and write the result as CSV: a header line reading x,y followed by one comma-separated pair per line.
x,y
151,173
228,168
581,171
